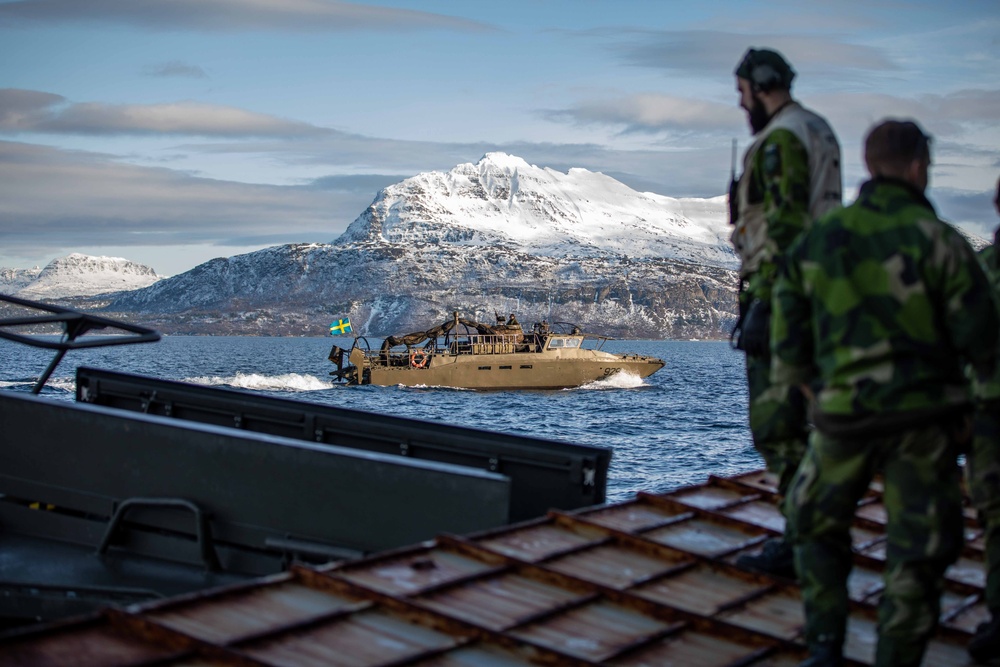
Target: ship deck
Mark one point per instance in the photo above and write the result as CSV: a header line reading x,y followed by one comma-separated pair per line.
x,y
649,581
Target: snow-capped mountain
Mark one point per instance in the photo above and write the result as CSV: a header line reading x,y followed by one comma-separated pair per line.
x,y
14,280
502,201
77,275
496,236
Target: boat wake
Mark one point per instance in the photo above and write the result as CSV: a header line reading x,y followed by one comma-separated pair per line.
x,y
56,385
620,380
286,382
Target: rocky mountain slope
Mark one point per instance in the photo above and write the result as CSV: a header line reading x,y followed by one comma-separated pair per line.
x,y
496,236
13,281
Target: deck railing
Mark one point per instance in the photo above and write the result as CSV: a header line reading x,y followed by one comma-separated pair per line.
x,y
479,344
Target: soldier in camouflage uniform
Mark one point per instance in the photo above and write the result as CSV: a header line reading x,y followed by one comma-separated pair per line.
x,y
791,176
878,309
983,474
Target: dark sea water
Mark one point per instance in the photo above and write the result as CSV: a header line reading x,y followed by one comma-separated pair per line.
x,y
674,428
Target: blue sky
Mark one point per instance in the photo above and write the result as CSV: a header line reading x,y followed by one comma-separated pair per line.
x,y
174,131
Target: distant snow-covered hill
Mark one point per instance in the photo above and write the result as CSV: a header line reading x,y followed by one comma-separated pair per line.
x,y
499,235
77,275
14,280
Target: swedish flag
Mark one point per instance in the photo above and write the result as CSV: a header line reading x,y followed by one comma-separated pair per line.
x,y
340,327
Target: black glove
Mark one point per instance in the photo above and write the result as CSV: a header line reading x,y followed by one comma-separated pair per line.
x,y
755,333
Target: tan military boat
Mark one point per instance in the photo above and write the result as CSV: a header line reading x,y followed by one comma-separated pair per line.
x,y
468,354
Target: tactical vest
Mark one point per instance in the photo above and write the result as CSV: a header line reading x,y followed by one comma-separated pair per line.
x,y
750,237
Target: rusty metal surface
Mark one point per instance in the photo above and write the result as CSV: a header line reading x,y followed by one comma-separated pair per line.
x,y
617,566
502,602
412,573
227,619
702,589
538,541
692,648
89,643
642,583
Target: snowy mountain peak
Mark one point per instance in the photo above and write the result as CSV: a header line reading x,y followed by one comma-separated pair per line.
x,y
504,161
502,201
497,235
79,275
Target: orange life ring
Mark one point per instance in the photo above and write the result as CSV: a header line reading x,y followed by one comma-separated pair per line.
x,y
418,358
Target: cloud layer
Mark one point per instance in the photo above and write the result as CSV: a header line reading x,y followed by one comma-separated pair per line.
x,y
29,111
243,122
234,15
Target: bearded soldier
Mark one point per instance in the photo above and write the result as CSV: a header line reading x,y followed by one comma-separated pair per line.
x,y
791,176
878,310
983,471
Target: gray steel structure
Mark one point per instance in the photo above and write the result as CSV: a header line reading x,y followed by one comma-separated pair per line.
x,y
149,488
544,474
124,484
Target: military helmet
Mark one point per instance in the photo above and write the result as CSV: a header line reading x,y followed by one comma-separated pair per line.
x,y
765,69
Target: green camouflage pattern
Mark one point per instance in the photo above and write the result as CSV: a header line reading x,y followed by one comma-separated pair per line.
x,y
988,389
777,421
779,173
982,468
877,307
779,179
924,506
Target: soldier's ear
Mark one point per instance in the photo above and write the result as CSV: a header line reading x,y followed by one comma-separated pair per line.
x,y
917,173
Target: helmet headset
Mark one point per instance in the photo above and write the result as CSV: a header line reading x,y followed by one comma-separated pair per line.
x,y
766,70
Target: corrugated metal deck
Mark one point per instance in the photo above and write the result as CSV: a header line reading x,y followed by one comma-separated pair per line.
x,y
644,582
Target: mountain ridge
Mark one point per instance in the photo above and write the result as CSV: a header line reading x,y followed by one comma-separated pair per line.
x,y
77,275
498,235
502,200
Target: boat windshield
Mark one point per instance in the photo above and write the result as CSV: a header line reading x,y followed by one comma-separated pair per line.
x,y
560,341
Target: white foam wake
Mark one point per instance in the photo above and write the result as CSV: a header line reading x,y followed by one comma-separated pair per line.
x,y
285,382
621,380
62,384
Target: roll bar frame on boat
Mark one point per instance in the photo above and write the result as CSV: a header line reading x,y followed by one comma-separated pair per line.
x,y
75,324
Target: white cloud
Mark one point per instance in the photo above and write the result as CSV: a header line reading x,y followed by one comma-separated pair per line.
x,y
72,198
655,113
716,53
33,111
234,15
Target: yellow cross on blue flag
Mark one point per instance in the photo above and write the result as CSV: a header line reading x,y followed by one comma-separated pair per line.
x,y
340,327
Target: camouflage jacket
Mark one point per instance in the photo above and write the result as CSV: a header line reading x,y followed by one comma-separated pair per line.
x,y
989,390
877,308
791,175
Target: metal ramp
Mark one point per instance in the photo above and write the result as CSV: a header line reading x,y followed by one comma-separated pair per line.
x,y
544,474
133,489
641,583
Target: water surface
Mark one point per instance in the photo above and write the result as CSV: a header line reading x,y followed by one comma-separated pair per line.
x,y
678,426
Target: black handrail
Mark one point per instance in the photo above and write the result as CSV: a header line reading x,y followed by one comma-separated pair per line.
x,y
75,324
203,527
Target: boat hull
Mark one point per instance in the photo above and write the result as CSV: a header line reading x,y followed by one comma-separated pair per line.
x,y
501,356
511,371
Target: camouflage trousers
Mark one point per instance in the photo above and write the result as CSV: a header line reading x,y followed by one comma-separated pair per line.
x,y
777,421
923,502
982,471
